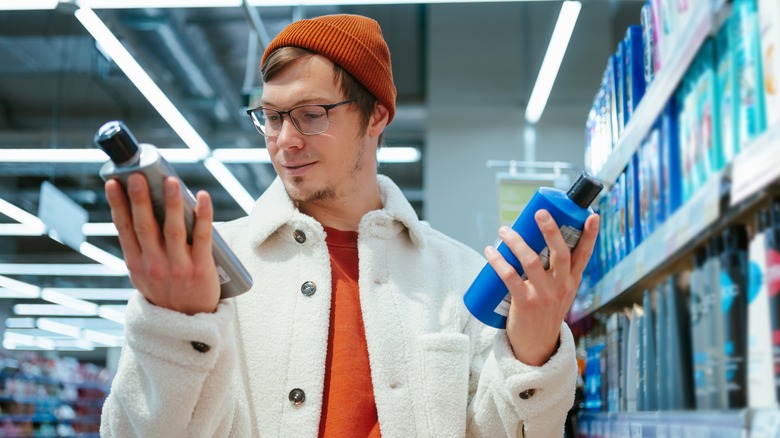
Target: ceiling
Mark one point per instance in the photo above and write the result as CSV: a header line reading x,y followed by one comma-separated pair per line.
x,y
57,88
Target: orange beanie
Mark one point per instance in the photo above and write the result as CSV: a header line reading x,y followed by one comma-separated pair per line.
x,y
353,42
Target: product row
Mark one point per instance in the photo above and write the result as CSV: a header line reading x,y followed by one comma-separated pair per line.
x,y
50,396
718,110
706,338
728,96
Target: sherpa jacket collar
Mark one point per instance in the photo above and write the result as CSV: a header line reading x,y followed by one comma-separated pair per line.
x,y
275,208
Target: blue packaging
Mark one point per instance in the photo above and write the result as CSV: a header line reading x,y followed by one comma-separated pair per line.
x,y
610,75
605,244
751,121
708,109
488,298
670,158
634,64
652,155
647,41
632,207
620,87
728,97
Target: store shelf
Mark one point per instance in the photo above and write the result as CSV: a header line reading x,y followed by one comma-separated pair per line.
x,y
658,93
726,424
668,241
757,166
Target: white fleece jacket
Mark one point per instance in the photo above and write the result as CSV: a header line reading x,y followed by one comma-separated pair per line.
x,y
436,371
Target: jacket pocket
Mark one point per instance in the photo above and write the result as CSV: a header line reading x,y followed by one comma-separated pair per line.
x,y
445,364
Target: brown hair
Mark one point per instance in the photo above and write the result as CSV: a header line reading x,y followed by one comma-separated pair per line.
x,y
365,102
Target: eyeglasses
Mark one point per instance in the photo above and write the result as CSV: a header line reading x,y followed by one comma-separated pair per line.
x,y
308,119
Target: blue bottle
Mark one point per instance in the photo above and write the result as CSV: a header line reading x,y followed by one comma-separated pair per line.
x,y
488,297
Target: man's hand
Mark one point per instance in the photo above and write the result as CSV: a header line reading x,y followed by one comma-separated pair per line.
x,y
164,268
540,303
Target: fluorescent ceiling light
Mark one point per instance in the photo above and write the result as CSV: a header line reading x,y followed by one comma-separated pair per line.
x,y
59,270
398,155
58,327
99,229
113,313
103,257
242,155
22,323
106,339
141,80
27,5
21,230
118,4
85,307
46,310
95,293
226,178
20,215
552,60
27,290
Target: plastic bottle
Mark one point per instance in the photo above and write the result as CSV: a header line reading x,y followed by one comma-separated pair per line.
x,y
734,287
488,297
128,157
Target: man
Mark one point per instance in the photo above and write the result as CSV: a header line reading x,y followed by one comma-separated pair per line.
x,y
355,325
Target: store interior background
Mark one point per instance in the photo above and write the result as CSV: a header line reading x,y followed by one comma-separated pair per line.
x,y
464,73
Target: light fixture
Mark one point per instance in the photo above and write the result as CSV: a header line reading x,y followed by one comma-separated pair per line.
x,y
59,270
242,155
83,306
552,60
103,257
24,290
130,4
398,154
20,215
58,327
138,76
230,183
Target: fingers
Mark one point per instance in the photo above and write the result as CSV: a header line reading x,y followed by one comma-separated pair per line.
x,y
201,233
505,271
174,230
122,218
560,256
146,228
529,260
584,249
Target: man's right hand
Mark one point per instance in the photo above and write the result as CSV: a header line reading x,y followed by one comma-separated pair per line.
x,y
164,268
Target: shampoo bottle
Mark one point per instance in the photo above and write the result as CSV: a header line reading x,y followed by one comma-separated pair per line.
x,y
488,297
733,304
128,157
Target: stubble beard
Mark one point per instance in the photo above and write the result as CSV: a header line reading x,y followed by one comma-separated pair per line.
x,y
328,192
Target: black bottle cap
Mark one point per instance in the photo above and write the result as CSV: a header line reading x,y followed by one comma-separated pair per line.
x,y
584,190
116,141
735,238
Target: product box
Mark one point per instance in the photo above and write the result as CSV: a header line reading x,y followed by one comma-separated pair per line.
x,y
633,63
620,88
610,75
769,23
670,159
618,203
650,178
707,109
605,233
648,41
760,369
751,121
728,101
632,204
659,31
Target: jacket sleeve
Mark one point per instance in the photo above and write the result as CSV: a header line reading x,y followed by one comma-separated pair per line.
x,y
510,398
176,376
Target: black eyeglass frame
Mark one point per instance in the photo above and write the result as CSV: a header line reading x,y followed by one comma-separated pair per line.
x,y
327,107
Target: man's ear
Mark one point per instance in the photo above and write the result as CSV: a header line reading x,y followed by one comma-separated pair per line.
x,y
378,120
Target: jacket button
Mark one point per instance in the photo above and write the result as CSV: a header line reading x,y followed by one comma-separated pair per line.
x,y
297,396
528,393
299,236
200,346
308,288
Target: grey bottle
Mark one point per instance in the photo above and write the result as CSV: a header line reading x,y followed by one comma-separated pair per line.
x,y
127,156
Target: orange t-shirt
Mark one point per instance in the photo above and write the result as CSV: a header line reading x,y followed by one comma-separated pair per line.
x,y
348,405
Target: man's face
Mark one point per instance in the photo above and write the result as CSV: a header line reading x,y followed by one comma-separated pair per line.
x,y
322,167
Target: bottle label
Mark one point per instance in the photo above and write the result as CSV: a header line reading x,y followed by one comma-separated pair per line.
x,y
223,276
571,236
